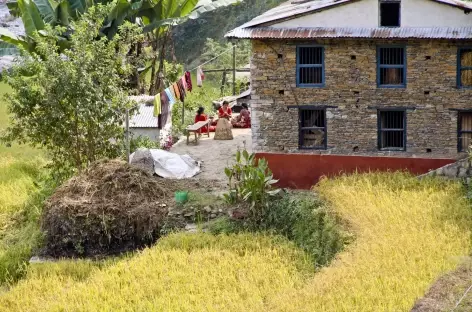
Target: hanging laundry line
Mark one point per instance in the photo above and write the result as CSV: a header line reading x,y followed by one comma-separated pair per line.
x,y
211,60
177,91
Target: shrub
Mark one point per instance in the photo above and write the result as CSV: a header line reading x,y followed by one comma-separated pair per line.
x,y
251,181
303,220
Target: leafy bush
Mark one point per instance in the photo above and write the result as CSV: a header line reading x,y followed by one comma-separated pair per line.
x,y
301,219
73,101
251,181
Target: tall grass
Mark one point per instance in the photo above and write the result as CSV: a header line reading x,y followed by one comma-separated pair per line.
x,y
20,206
408,233
182,273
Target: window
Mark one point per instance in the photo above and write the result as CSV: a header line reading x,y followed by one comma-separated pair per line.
x,y
313,134
310,66
464,68
391,67
392,130
464,131
389,13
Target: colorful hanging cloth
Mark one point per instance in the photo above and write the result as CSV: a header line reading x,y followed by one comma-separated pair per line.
x,y
157,105
200,76
170,96
184,82
188,80
176,91
181,90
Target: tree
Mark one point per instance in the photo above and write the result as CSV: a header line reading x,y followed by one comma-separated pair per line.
x,y
73,103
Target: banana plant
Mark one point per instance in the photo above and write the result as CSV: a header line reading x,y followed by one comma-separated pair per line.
x,y
35,14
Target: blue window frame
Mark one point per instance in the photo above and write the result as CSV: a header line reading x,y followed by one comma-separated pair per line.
x,y
313,131
391,67
391,125
464,68
310,66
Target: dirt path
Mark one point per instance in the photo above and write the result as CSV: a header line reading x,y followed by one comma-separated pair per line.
x,y
215,155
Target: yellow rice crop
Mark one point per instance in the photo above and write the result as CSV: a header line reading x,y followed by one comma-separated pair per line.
x,y
408,233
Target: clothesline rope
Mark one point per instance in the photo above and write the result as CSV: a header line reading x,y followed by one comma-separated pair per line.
x,y
226,51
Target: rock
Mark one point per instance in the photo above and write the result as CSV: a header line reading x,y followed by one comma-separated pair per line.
x,y
189,214
37,259
220,210
207,209
462,173
213,216
192,228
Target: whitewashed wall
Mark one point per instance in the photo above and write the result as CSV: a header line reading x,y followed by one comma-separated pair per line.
x,y
365,13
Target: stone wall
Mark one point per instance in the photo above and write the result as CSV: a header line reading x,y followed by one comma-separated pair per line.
x,y
461,169
351,90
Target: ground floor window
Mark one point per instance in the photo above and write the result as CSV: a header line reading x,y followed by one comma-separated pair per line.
x,y
312,128
464,131
392,130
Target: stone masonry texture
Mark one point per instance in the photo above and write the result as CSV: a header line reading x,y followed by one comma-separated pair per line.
x,y
431,94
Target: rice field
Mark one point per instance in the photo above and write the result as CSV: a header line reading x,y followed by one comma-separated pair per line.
x,y
408,233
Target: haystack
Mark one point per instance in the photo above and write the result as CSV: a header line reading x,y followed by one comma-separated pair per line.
x,y
108,209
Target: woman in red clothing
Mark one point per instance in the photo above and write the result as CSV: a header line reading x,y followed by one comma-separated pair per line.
x,y
244,118
202,117
225,111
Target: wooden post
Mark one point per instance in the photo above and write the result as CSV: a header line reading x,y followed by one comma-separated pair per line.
x,y
223,83
234,69
127,136
183,112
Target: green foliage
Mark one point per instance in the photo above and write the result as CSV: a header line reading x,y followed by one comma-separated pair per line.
x,y
142,142
213,48
190,37
198,97
303,220
73,104
251,181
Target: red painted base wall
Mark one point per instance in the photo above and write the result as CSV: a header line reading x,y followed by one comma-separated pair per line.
x,y
302,171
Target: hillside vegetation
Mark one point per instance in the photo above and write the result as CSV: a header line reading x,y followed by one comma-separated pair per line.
x,y
408,233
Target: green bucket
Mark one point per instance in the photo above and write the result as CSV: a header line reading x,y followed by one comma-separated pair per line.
x,y
181,197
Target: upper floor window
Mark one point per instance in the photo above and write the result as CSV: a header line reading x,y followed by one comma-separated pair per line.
x,y
391,67
310,66
464,68
389,13
312,128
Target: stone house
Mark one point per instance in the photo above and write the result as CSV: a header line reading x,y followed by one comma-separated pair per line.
x,y
362,77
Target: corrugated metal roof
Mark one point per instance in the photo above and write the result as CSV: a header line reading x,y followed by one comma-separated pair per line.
x,y
350,32
292,9
144,118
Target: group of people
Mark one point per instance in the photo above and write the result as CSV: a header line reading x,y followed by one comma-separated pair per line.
x,y
243,120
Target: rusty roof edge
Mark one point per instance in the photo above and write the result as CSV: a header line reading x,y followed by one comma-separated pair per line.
x,y
351,32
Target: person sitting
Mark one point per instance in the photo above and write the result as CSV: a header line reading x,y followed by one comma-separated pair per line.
x,y
244,118
223,127
201,116
225,111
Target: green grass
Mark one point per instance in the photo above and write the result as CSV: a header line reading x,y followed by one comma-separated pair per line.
x,y
408,233
20,202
